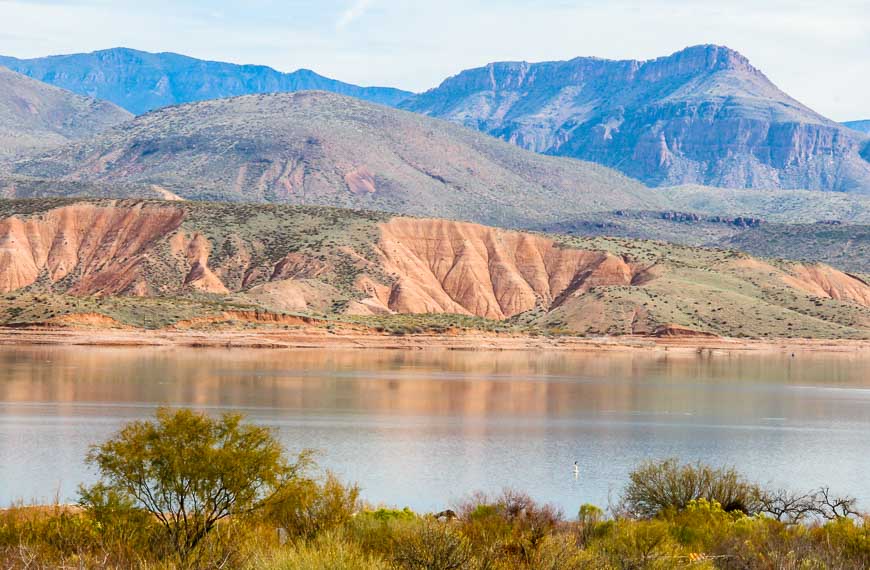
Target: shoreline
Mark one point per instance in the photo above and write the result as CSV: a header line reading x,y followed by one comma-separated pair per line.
x,y
318,338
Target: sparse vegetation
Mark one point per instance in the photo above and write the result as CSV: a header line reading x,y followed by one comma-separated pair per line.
x,y
305,261
670,516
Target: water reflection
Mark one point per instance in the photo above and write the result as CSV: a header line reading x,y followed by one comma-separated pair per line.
x,y
418,427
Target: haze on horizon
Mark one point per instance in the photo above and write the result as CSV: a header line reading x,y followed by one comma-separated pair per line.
x,y
816,52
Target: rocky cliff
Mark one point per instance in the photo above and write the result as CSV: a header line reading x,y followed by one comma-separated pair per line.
x,y
198,260
703,115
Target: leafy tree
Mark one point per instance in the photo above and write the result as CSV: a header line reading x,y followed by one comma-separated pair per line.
x,y
657,486
190,471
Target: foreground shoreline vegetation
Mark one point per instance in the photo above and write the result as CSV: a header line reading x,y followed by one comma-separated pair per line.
x,y
186,490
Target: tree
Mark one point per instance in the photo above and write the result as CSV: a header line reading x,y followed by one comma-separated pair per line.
x,y
657,486
190,471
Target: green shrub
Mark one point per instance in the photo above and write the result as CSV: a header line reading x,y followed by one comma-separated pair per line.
x,y
655,487
431,545
306,508
190,472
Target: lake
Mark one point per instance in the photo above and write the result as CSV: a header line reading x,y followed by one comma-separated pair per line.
x,y
425,428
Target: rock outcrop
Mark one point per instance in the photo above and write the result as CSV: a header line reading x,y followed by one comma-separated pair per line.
x,y
97,249
451,267
703,115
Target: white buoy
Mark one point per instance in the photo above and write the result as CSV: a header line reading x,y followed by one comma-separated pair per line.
x,y
576,469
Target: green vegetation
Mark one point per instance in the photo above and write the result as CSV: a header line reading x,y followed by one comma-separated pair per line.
x,y
189,491
189,472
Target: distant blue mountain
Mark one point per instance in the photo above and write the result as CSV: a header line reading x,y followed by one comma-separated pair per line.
x,y
863,126
141,81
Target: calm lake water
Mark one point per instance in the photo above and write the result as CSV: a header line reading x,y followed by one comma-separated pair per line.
x,y
425,428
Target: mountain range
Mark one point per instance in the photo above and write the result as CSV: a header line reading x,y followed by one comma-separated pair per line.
x,y
703,115
35,116
328,149
140,81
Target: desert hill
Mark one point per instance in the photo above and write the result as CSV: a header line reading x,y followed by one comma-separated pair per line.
x,y
140,81
151,263
703,115
327,149
35,116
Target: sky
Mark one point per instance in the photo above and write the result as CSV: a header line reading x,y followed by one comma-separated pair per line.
x,y
818,52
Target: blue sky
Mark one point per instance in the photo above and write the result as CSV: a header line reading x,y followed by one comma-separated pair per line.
x,y
819,52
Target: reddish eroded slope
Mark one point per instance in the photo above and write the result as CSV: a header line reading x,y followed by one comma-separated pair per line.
x,y
816,279
441,266
103,247
823,281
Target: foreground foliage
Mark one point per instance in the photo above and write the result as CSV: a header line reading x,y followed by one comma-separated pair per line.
x,y
284,517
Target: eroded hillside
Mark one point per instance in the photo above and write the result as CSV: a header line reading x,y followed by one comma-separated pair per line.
x,y
160,263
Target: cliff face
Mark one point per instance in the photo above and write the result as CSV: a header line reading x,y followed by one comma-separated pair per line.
x,y
450,267
258,258
96,249
703,115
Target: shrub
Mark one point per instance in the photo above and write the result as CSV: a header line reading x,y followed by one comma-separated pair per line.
x,y
190,471
330,551
306,508
655,487
430,545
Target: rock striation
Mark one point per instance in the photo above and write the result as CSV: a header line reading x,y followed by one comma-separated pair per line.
x,y
330,262
703,115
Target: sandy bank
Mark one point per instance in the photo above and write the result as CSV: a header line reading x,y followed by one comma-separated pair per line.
x,y
314,337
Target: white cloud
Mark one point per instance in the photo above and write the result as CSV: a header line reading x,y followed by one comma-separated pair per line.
x,y
352,13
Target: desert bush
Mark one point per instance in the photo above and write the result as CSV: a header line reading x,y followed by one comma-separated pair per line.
x,y
330,551
125,532
512,525
646,545
375,530
794,507
655,487
431,545
306,507
190,472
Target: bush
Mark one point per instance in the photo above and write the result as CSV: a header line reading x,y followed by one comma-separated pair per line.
x,y
306,508
430,545
512,525
190,471
655,487
330,551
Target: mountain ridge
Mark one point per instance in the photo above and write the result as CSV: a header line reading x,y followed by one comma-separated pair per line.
x,y
141,81
702,115
322,148
35,116
860,126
